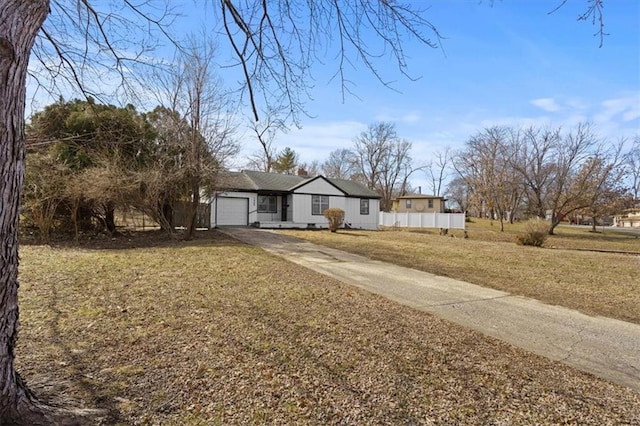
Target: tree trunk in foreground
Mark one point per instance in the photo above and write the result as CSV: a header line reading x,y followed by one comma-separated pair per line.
x,y
19,23
554,222
110,219
192,209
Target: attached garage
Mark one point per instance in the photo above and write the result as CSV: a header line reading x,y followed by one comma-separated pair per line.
x,y
231,211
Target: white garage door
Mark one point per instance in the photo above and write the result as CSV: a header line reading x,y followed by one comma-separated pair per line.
x,y
232,211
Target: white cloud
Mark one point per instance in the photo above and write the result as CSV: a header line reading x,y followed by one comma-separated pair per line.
x,y
546,104
576,104
615,117
632,114
315,142
627,107
618,117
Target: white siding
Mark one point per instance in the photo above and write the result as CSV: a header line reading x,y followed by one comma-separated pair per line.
x,y
319,186
302,211
355,219
351,206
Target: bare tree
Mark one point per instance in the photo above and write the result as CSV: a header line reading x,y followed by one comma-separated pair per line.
x,y
46,180
395,172
265,132
459,192
533,162
556,172
370,150
383,161
604,190
311,169
571,182
266,36
193,80
438,171
632,162
485,166
162,181
339,165
193,91
593,13
97,49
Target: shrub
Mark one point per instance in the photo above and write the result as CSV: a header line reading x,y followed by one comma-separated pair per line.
x,y
535,233
335,217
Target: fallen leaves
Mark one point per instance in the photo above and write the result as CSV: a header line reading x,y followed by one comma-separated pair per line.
x,y
214,332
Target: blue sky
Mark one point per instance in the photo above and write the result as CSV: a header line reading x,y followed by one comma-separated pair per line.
x,y
505,62
509,64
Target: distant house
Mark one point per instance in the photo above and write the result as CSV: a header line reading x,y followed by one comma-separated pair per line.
x,y
418,203
629,219
273,200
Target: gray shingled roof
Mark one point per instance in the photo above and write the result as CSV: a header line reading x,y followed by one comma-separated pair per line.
x,y
273,181
250,180
235,181
354,189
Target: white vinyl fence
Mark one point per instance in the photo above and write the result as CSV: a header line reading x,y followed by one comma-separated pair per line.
x,y
423,220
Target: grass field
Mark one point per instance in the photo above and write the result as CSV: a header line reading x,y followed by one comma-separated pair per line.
x,y
564,272
215,332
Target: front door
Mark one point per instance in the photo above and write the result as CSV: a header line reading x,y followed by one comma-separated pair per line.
x,y
284,208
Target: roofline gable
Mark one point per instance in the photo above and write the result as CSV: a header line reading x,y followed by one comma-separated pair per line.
x,y
305,182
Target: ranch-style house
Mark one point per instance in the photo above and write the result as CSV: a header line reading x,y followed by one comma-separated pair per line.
x,y
273,200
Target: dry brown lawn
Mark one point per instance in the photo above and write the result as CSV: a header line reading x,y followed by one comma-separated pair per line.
x,y
215,332
561,273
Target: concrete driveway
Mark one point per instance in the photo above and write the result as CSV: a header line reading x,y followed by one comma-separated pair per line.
x,y
605,347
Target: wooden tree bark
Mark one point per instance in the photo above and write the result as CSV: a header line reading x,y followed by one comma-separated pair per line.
x,y
20,21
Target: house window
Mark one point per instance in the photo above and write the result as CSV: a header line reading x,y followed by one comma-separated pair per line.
x,y
430,204
267,204
319,203
408,204
364,206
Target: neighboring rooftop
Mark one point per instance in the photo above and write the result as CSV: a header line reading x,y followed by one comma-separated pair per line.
x,y
419,196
